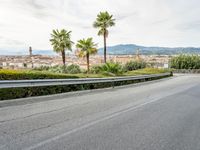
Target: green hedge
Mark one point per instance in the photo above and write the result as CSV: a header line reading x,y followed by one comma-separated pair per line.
x,y
13,93
29,75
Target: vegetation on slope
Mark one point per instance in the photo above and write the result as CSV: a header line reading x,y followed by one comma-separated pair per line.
x,y
185,62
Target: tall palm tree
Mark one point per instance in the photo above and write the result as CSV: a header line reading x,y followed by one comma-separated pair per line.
x,y
61,41
87,47
103,21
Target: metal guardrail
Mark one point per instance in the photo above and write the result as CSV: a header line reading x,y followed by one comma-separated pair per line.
x,y
57,82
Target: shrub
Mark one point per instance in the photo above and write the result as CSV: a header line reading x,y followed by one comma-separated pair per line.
x,y
134,65
185,62
95,69
109,68
71,69
42,68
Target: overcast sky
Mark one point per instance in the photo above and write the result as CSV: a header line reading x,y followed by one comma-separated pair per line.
x,y
172,23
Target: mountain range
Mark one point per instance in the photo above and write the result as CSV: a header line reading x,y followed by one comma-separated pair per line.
x,y
130,49
122,49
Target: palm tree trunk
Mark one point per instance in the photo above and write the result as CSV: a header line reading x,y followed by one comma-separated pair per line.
x,y
88,62
63,58
104,37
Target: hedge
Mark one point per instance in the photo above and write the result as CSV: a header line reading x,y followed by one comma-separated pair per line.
x,y
29,75
14,93
32,74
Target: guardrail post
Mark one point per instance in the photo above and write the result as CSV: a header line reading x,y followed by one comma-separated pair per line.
x,y
113,83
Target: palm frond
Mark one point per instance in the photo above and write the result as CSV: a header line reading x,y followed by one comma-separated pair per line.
x,y
86,46
103,21
61,40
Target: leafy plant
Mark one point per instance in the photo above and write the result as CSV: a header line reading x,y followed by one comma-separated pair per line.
x,y
134,65
110,68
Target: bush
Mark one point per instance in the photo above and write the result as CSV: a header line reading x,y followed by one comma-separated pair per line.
x,y
134,65
71,69
42,68
95,69
56,69
109,68
185,62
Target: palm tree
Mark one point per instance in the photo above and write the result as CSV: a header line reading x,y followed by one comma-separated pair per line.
x,y
61,41
87,47
103,21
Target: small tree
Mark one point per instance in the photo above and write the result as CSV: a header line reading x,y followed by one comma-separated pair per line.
x,y
61,41
103,21
87,47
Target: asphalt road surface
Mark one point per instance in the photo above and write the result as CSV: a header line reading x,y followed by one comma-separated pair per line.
x,y
161,115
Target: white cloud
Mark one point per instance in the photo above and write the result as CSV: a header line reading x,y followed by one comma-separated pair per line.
x,y
145,22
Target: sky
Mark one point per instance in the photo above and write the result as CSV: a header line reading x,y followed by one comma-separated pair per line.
x,y
169,23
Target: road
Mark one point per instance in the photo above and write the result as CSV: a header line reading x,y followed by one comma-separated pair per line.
x,y
161,115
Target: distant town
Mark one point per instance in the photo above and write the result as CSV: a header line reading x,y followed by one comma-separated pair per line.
x,y
30,60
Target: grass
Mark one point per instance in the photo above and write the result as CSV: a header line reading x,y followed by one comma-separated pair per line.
x,y
147,71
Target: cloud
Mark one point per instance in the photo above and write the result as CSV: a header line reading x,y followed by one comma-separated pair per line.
x,y
146,22
194,25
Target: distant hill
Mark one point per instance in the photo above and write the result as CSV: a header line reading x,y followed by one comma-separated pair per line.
x,y
48,52
26,52
43,52
122,49
130,49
